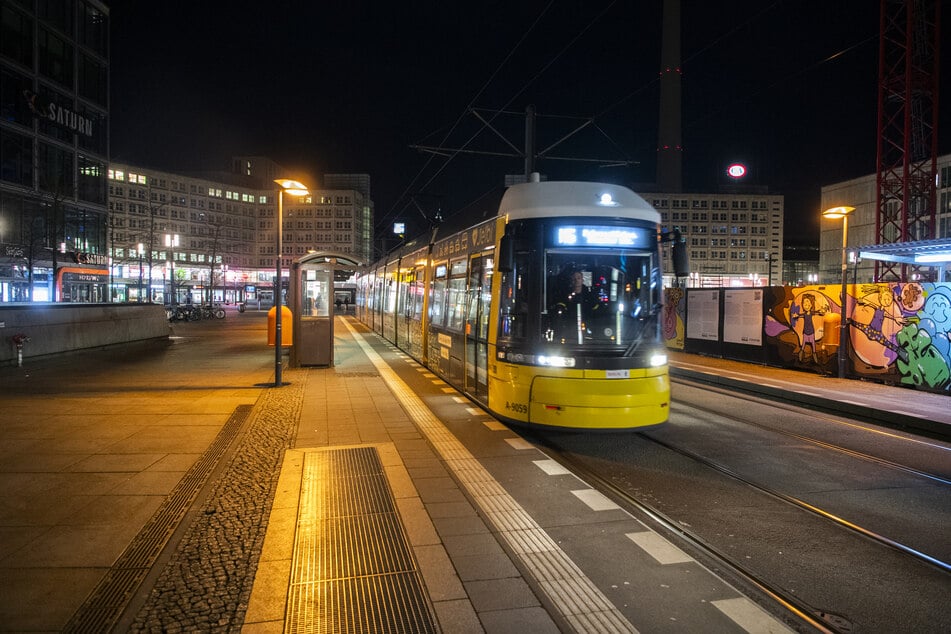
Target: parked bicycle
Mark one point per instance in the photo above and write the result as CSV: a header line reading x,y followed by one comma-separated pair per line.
x,y
194,312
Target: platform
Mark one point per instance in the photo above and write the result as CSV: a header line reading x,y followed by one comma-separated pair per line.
x,y
369,496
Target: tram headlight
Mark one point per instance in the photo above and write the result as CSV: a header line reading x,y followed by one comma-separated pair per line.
x,y
658,359
556,362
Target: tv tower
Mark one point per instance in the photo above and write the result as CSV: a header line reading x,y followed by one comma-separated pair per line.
x,y
669,149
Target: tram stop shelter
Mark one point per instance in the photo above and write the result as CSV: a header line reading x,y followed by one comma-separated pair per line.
x,y
931,253
310,296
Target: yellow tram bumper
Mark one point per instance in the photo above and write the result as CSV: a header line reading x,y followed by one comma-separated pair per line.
x,y
590,402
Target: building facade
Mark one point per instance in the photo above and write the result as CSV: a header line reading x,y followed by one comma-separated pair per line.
x,y
732,239
862,194
54,148
183,238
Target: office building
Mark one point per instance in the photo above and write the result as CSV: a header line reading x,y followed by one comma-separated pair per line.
x,y
54,148
212,237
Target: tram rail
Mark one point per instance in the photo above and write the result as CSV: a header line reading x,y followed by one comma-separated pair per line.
x,y
630,489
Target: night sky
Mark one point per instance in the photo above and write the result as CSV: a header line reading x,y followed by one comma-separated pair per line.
x,y
789,87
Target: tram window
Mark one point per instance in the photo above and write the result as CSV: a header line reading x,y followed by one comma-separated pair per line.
x,y
603,299
413,308
457,302
405,302
515,298
438,302
486,290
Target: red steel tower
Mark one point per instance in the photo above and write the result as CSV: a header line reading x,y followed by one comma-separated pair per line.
x,y
907,126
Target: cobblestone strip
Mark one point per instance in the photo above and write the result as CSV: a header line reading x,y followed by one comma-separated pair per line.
x,y
207,583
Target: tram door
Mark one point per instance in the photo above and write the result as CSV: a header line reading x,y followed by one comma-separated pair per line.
x,y
477,326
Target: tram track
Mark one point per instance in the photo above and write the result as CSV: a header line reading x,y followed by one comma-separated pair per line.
x,y
908,550
784,601
839,521
627,488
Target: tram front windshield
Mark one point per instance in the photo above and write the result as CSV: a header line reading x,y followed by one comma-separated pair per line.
x,y
602,300
606,300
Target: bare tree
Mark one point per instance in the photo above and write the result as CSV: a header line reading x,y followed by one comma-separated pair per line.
x,y
216,225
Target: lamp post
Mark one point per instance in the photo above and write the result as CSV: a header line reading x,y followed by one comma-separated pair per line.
x,y
294,188
834,213
224,285
171,241
140,249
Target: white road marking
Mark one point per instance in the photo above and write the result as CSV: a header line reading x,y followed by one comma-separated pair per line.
x,y
595,500
519,443
495,425
749,616
659,548
551,467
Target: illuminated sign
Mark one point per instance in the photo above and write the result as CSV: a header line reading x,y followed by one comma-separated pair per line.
x,y
600,236
399,227
42,108
736,170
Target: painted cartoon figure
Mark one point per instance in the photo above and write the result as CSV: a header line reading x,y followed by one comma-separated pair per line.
x,y
876,321
936,320
803,321
911,298
672,322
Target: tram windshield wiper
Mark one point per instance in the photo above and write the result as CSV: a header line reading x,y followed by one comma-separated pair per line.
x,y
647,322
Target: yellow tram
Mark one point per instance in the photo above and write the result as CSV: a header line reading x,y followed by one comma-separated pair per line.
x,y
546,314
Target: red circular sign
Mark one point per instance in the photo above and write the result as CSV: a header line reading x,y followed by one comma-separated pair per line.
x,y
737,170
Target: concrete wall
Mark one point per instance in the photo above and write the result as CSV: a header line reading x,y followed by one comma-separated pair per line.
x,y
56,328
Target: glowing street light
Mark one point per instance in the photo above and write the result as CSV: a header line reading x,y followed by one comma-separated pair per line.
x,y
294,188
834,213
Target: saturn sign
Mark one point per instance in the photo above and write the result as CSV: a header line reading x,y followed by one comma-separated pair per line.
x,y
736,170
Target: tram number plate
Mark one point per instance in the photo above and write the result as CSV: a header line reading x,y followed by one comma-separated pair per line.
x,y
518,408
617,374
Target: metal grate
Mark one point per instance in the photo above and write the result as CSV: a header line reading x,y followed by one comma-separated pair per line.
x,y
353,569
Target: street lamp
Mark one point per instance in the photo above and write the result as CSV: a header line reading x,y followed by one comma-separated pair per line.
x,y
834,213
171,241
224,284
140,249
294,188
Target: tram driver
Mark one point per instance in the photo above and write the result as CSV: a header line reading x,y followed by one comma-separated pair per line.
x,y
578,294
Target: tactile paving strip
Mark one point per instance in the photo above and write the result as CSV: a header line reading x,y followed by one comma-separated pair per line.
x,y
353,569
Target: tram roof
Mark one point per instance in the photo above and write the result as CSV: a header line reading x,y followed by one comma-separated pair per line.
x,y
574,198
920,252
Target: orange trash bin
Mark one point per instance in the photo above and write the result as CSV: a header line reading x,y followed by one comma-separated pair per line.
x,y
287,326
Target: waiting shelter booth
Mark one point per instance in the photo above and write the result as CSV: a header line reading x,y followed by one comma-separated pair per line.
x,y
311,300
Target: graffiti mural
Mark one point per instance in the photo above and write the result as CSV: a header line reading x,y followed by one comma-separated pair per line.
x,y
673,317
802,327
897,333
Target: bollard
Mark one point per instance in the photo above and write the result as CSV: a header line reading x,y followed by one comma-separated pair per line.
x,y
18,340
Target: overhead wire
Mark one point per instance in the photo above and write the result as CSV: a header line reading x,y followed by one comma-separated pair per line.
x,y
465,112
511,99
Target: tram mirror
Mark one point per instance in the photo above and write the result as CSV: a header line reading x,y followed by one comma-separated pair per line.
x,y
506,258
